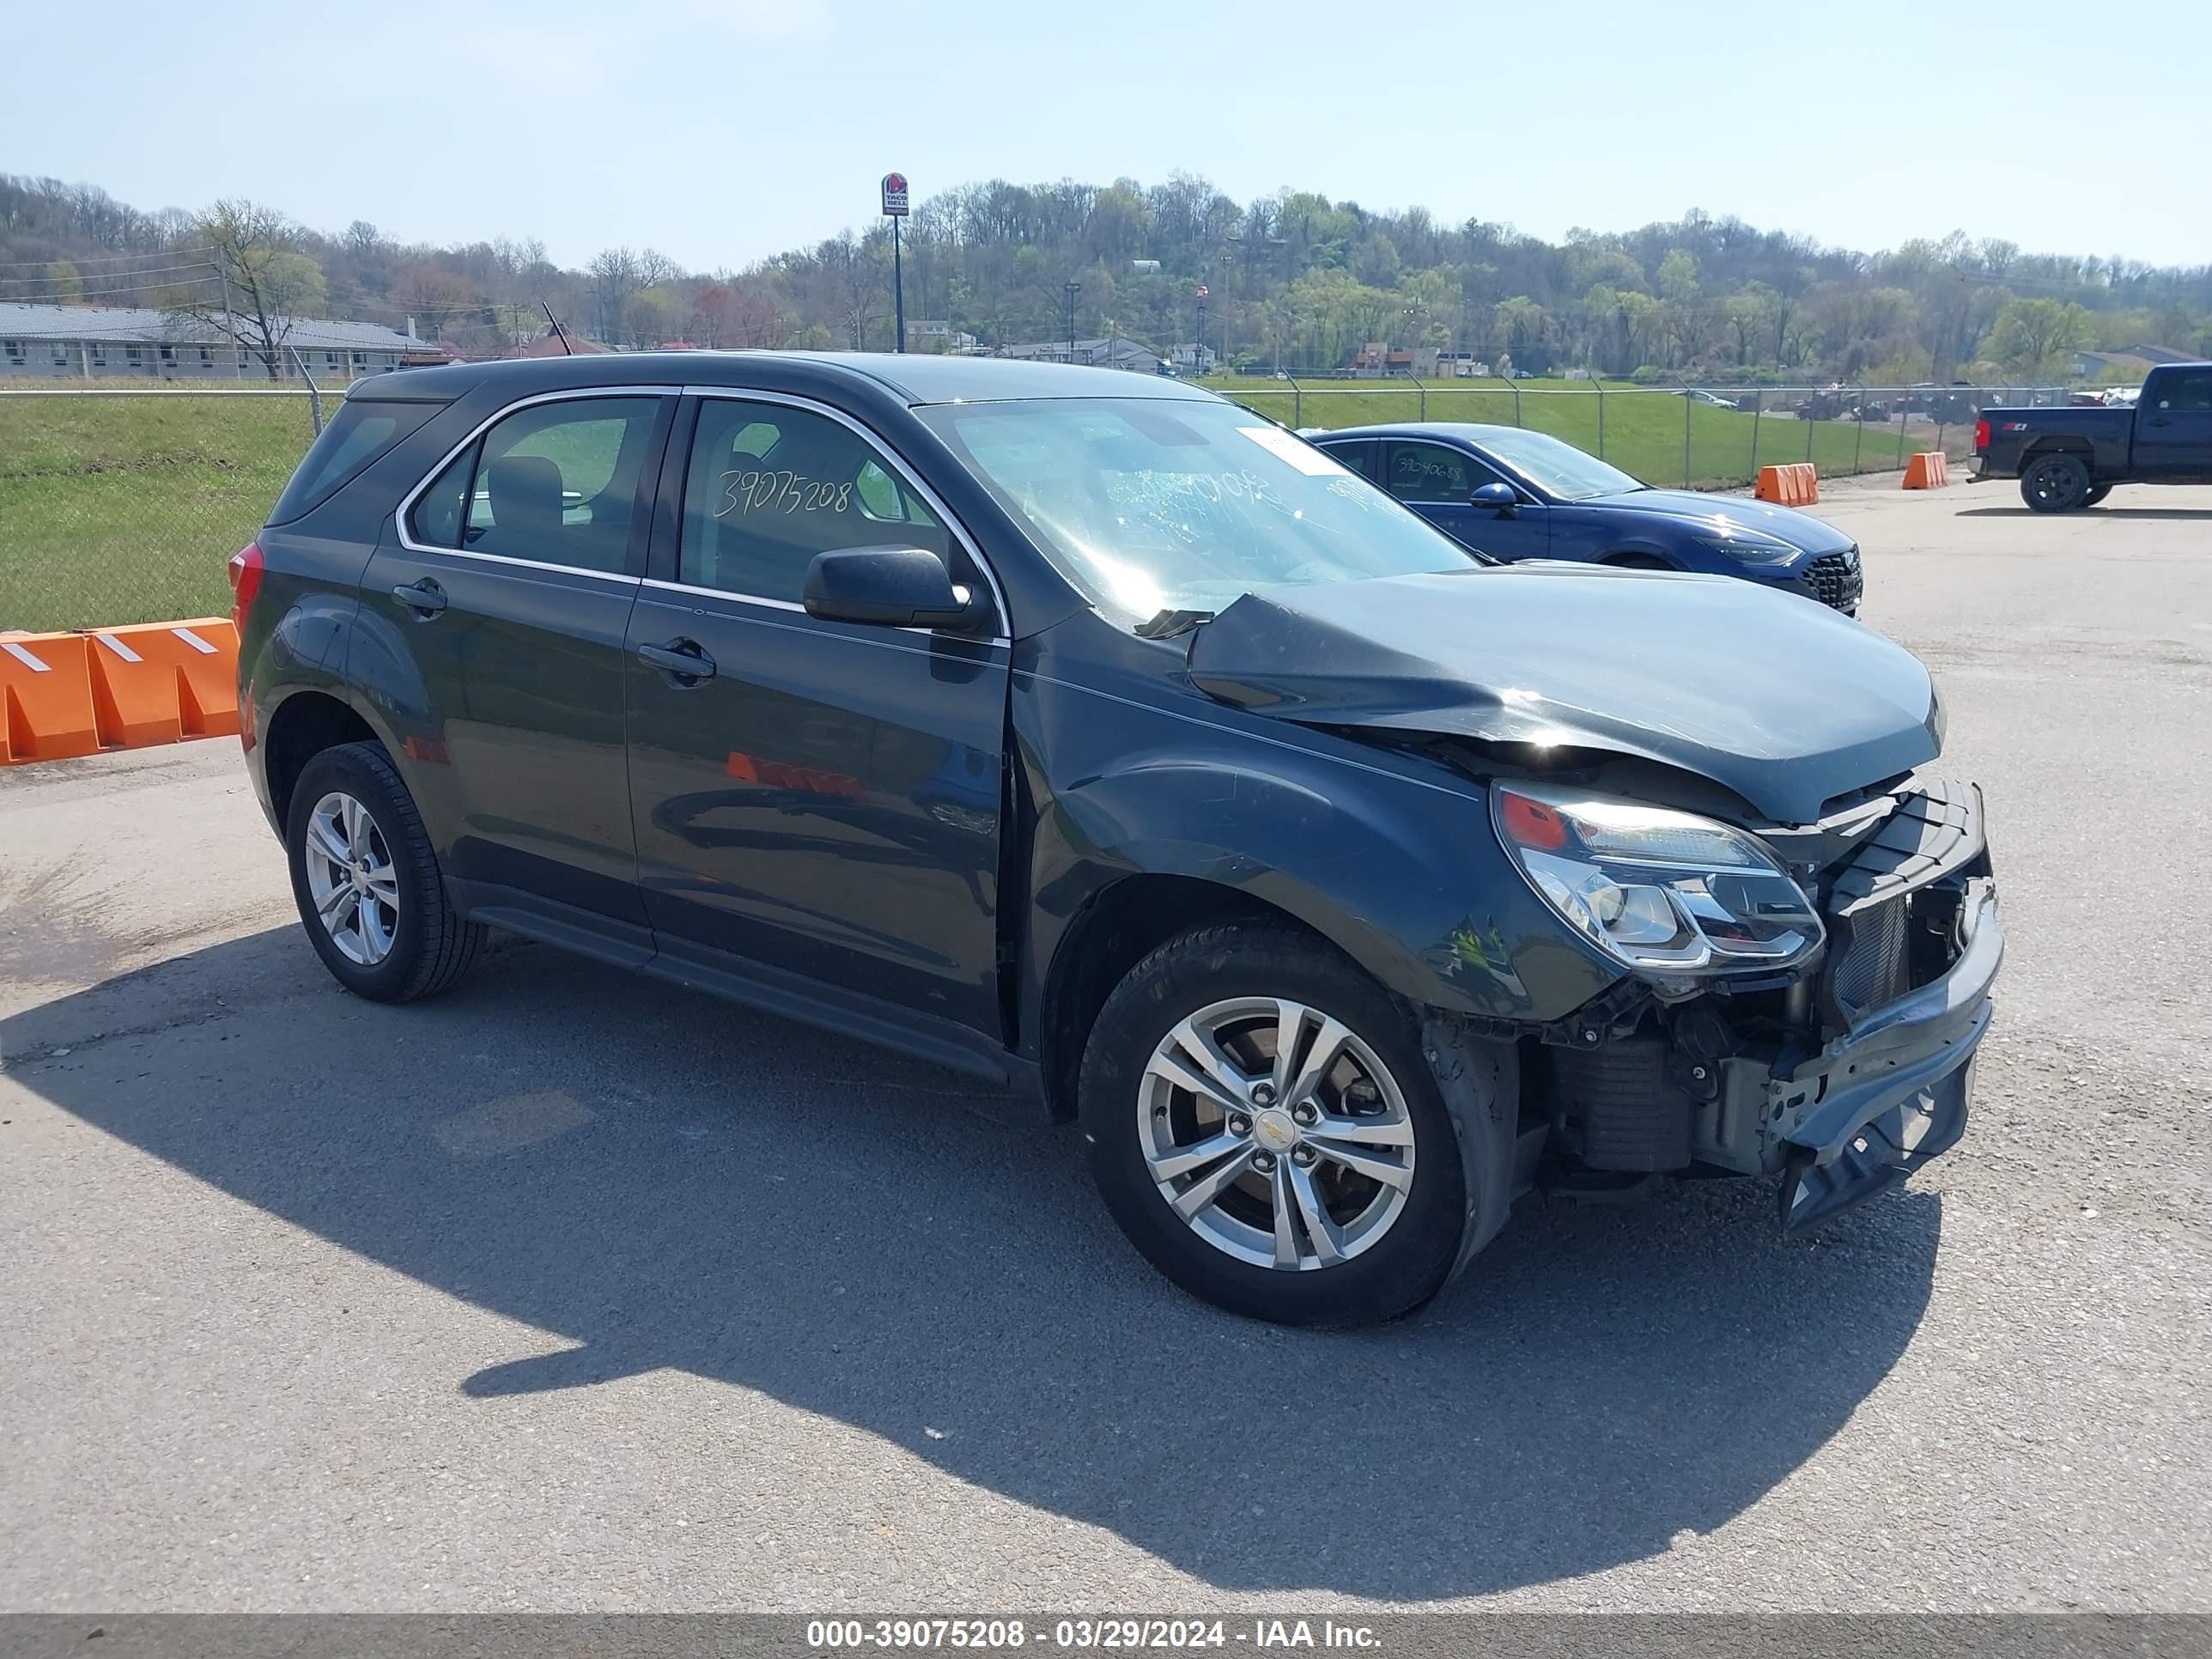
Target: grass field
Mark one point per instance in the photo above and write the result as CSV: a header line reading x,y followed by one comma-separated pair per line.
x,y
1643,428
124,509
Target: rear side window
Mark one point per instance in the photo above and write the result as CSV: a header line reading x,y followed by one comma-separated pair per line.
x,y
1430,472
555,483
362,430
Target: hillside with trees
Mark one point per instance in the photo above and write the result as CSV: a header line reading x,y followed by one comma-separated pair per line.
x,y
1293,280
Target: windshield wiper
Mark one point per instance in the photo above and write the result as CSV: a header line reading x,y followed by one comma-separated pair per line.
x,y
1169,623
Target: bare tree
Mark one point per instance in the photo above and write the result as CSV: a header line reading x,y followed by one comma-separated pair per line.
x,y
266,284
614,278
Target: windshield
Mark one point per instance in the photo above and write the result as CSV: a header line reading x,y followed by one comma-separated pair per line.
x,y
1155,505
1558,469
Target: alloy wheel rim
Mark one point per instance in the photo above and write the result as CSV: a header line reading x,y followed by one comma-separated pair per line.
x,y
352,880
1276,1133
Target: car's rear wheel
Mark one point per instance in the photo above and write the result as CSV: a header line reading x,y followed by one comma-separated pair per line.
x,y
2056,484
1266,1125
367,879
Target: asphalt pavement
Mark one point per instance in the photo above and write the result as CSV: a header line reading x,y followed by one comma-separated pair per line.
x,y
572,1291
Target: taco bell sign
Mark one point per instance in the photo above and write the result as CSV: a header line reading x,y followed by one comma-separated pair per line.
x,y
895,195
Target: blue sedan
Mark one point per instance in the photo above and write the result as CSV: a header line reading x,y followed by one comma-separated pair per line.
x,y
1515,494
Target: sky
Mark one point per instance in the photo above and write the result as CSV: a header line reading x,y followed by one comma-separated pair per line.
x,y
720,132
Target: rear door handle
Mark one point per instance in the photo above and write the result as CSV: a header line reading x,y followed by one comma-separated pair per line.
x,y
682,661
425,598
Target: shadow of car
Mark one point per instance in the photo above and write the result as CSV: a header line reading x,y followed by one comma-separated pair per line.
x,y
656,1180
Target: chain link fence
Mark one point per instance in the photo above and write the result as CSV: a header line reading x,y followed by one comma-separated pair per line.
x,y
1699,437
121,506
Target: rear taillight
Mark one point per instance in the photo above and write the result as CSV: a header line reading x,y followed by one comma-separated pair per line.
x,y
245,582
1981,434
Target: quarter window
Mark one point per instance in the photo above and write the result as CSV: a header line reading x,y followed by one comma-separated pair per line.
x,y
555,483
769,487
1359,454
1430,472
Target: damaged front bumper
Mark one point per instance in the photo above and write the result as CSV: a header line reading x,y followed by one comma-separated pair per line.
x,y
1892,1091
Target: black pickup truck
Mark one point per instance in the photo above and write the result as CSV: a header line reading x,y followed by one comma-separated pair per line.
x,y
2066,459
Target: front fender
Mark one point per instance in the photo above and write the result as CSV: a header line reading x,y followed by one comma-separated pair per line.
x,y
1390,857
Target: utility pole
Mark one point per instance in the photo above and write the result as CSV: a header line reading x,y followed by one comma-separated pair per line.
x,y
1072,290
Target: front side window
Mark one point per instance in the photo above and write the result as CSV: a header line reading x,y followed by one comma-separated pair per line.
x,y
2188,393
1560,469
1152,505
1429,472
555,483
769,487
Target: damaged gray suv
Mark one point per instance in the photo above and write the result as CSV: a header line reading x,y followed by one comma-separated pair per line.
x,y
1097,738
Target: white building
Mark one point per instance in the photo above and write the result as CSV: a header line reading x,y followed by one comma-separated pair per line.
x,y
104,343
936,336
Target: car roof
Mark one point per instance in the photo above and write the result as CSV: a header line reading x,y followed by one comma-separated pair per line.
x,y
912,378
1473,432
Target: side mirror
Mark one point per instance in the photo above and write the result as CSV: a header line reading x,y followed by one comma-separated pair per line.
x,y
1499,495
891,588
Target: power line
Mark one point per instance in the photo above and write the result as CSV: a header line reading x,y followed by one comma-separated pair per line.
x,y
98,292
109,275
63,286
108,258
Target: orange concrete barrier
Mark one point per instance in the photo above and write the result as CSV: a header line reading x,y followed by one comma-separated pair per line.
x,y
45,698
1927,470
1793,484
65,694
160,682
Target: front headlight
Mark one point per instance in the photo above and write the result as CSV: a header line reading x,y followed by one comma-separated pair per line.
x,y
1664,892
1750,551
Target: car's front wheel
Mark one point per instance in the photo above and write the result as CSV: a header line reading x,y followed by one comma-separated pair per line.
x,y
2056,484
367,879
1270,1128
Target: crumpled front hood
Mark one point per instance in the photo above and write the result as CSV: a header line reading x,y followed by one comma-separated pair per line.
x,y
1770,695
1726,513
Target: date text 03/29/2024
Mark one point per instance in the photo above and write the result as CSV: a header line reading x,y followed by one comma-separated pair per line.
x,y
1086,1635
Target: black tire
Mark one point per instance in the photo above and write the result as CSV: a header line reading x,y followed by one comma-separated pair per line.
x,y
1635,562
430,945
2097,494
1462,1128
2055,483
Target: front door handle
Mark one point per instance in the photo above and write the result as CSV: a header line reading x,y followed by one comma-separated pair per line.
x,y
683,661
424,599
